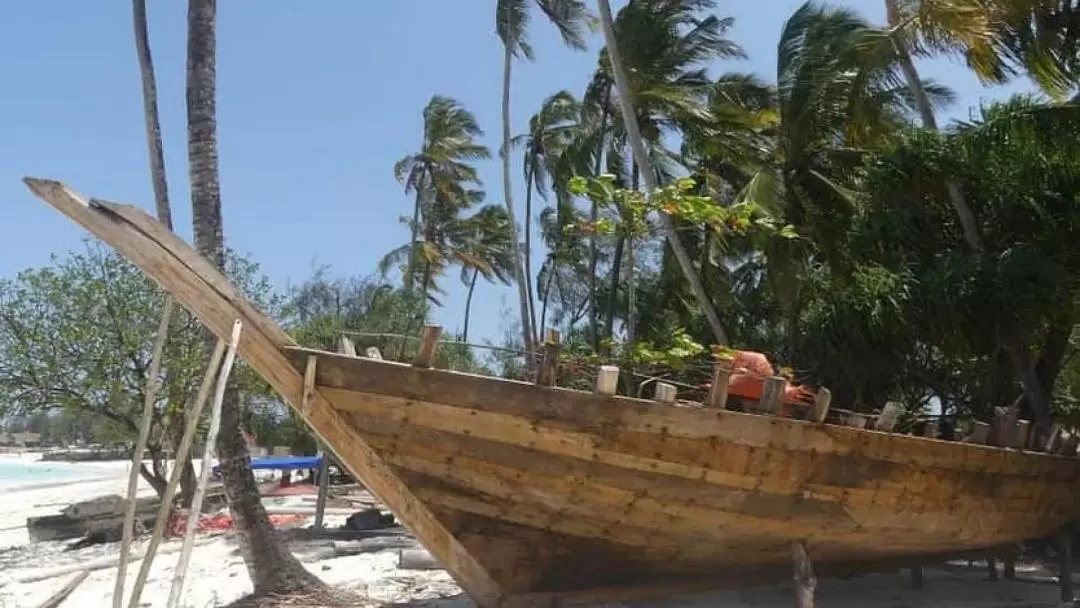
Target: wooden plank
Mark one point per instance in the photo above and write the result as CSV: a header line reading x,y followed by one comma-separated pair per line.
x,y
734,467
204,291
805,581
309,384
346,346
429,345
549,368
772,395
890,414
718,391
592,413
1023,434
821,404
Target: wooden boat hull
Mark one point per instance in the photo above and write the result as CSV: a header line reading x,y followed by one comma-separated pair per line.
x,y
566,490
532,495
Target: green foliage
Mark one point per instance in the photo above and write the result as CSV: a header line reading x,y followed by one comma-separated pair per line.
x,y
76,338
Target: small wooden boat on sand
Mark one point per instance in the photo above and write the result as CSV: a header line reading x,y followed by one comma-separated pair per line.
x,y
530,494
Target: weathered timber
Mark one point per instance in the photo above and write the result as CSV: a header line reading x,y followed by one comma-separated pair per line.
x,y
58,598
548,373
429,345
980,433
822,400
805,581
772,395
346,346
718,390
890,414
1063,542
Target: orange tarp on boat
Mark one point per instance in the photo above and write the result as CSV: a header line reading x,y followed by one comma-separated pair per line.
x,y
749,370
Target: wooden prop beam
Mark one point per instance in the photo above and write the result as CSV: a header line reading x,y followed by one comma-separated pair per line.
x,y
204,291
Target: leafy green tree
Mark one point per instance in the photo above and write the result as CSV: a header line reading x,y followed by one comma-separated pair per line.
x,y
75,340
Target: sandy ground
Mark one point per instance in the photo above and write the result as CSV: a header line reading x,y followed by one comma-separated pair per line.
x,y
217,575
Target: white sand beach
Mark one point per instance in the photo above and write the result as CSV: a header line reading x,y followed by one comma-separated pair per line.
x,y
217,574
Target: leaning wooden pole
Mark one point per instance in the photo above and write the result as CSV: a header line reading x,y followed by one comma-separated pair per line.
x,y
177,589
179,463
805,581
153,383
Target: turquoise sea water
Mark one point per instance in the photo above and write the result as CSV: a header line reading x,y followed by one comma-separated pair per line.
x,y
14,472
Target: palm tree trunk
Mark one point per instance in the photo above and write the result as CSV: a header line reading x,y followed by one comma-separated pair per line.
x,y
515,248
637,146
926,113
150,113
529,177
158,178
468,305
594,214
272,567
613,297
410,264
547,291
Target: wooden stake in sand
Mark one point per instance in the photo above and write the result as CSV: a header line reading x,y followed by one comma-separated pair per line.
x,y
805,581
58,598
204,471
153,383
178,470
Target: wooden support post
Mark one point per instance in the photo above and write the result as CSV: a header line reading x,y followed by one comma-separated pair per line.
x,y
772,395
805,582
373,353
607,379
930,429
347,346
721,377
1064,551
858,421
1003,427
1053,440
176,592
1068,444
980,433
665,393
309,383
916,577
890,414
1023,434
822,400
1009,567
549,367
324,488
58,598
429,343
991,568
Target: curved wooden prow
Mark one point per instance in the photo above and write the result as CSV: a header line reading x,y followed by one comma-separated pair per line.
x,y
208,294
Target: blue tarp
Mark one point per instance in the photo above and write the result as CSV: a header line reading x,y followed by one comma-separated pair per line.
x,y
283,463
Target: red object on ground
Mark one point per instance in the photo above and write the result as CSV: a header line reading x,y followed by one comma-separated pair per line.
x,y
220,522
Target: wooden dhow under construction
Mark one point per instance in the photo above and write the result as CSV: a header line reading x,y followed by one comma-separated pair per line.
x,y
530,494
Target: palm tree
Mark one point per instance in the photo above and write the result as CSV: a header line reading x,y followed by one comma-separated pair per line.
x,y
511,23
486,250
552,131
272,567
942,26
665,91
444,159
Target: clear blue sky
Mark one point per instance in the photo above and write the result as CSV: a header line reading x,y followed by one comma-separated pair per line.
x,y
316,100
